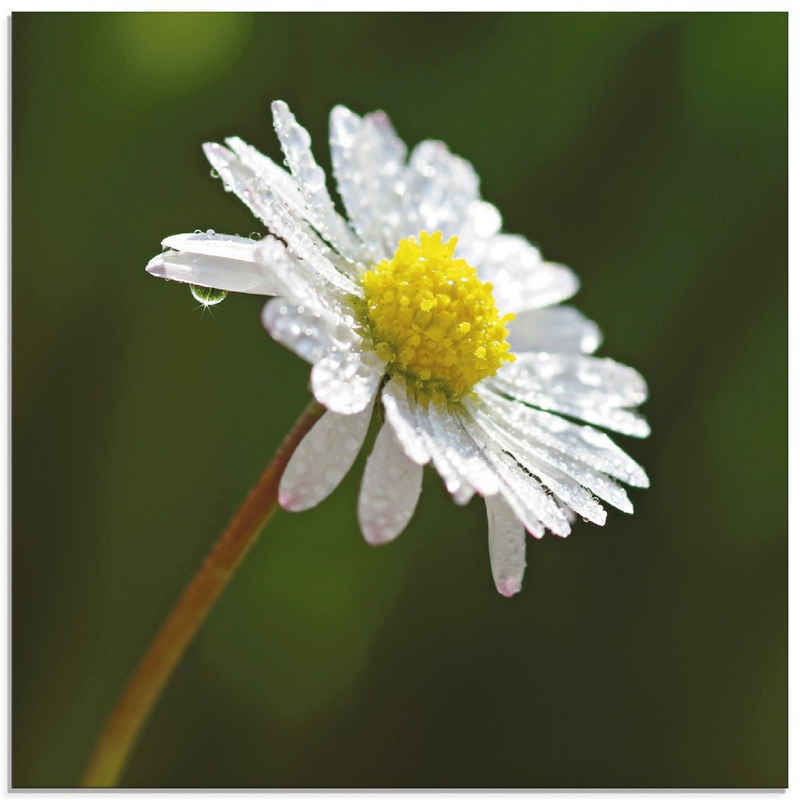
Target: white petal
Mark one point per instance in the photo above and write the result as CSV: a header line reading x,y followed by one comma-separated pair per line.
x,y
482,224
389,490
536,501
296,144
592,389
560,484
459,488
568,512
519,277
270,175
440,188
367,161
441,192
273,180
304,331
506,546
386,181
539,459
232,275
302,285
345,381
542,429
571,375
322,459
534,507
266,204
462,452
569,491
210,243
560,329
401,418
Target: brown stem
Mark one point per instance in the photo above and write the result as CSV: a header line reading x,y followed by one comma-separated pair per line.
x,y
185,619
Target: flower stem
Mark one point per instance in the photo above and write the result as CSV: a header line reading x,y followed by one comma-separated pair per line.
x,y
198,598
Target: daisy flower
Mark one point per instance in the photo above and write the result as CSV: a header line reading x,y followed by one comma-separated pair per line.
x,y
418,305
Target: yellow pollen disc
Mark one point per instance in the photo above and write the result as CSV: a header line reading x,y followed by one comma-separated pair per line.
x,y
433,321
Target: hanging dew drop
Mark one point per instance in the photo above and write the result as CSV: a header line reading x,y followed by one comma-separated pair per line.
x,y
214,174
207,296
255,236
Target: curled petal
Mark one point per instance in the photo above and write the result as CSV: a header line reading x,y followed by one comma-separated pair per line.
x,y
218,261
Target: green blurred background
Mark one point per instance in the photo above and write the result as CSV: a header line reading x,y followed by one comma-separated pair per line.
x,y
648,152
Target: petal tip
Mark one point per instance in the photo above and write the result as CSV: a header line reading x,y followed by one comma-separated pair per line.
x,y
509,587
156,268
292,501
374,537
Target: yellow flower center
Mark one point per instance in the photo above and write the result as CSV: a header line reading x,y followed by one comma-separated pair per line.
x,y
432,321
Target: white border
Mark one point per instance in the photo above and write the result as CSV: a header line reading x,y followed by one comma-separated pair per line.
x,y
411,5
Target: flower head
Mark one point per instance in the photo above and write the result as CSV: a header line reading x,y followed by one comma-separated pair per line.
x,y
419,300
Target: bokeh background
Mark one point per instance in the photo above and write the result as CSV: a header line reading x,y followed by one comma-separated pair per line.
x,y
647,151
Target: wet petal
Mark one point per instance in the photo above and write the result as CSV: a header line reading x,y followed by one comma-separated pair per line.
x,y
231,264
458,486
506,546
439,190
345,381
534,507
322,459
367,161
520,278
296,144
401,418
541,459
560,329
262,199
593,389
462,452
390,489
565,488
541,429
304,331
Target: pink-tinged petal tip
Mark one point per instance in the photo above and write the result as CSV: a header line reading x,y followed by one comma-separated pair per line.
x,y
289,501
156,267
509,587
374,537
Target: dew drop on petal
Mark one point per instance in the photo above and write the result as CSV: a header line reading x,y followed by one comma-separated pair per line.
x,y
207,296
214,174
255,236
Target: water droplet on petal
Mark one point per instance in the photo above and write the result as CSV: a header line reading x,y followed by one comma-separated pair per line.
x,y
197,230
214,174
211,232
207,296
255,236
